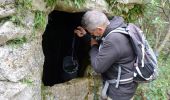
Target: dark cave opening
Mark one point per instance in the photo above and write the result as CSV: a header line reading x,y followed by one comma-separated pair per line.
x,y
57,43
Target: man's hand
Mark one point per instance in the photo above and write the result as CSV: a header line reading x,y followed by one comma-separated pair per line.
x,y
80,31
93,42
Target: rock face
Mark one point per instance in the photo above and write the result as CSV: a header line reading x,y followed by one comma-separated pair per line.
x,y
88,4
21,56
7,8
133,1
76,89
100,5
20,70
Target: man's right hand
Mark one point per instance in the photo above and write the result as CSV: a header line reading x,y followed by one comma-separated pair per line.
x,y
80,31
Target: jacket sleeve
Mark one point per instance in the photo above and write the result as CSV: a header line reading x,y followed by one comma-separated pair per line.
x,y
87,38
109,53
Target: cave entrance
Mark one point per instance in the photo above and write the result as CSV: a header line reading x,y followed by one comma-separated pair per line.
x,y
57,43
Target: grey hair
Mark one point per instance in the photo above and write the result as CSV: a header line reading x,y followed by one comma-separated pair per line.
x,y
93,18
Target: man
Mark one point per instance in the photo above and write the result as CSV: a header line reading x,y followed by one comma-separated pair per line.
x,y
115,50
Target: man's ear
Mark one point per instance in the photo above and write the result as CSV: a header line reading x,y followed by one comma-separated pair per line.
x,y
100,30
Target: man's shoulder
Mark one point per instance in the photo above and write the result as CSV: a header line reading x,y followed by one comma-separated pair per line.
x,y
116,37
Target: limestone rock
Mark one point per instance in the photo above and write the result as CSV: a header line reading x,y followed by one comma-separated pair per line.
x,y
16,91
95,88
133,1
7,8
2,78
10,31
5,2
39,5
76,89
16,63
28,20
23,64
89,4
8,90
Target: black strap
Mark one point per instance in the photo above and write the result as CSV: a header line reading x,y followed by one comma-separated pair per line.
x,y
73,47
70,61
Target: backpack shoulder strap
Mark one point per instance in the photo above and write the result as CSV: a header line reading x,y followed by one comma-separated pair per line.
x,y
119,30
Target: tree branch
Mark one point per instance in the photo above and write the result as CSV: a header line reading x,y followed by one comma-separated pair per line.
x,y
167,37
164,12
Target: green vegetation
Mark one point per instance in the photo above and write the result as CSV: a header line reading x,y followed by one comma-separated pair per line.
x,y
130,12
158,89
39,20
45,93
77,3
51,2
2,20
17,42
22,6
29,82
155,24
25,5
134,13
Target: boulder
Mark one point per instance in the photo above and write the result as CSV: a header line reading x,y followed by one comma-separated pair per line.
x,y
76,89
89,4
133,1
9,31
22,64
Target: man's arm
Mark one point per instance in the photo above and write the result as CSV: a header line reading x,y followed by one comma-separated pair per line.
x,y
108,54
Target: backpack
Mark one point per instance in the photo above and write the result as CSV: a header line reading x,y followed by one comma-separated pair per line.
x,y
146,67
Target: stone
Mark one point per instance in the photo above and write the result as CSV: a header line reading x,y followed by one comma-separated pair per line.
x,y
23,64
8,90
134,1
76,89
7,10
5,2
28,19
39,5
100,5
16,63
89,4
26,94
95,88
2,78
9,31
15,91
